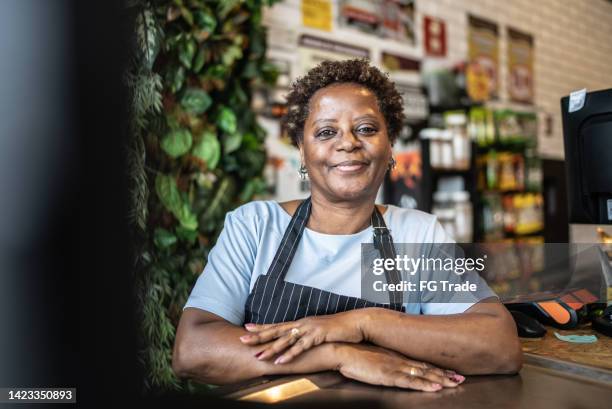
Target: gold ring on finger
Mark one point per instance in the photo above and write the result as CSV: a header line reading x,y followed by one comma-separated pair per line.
x,y
295,332
414,372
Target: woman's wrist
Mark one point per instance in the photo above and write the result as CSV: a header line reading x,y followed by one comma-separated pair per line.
x,y
368,320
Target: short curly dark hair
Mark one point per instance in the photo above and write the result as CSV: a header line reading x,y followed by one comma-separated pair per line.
x,y
358,71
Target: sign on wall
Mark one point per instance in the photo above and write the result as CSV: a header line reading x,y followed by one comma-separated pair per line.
x,y
317,14
434,34
392,19
314,50
520,66
483,65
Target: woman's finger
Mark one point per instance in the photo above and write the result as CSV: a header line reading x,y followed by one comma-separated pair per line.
x,y
430,375
402,380
276,347
261,327
304,343
265,335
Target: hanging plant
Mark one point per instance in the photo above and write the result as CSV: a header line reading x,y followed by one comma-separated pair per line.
x,y
196,150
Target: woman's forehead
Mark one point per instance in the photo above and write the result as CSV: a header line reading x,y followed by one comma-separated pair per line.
x,y
339,98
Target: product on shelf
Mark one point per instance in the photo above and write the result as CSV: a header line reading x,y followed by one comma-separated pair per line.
x,y
440,147
456,124
529,212
523,213
455,214
533,165
492,217
501,171
481,126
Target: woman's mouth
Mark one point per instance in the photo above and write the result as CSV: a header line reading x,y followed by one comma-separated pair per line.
x,y
350,166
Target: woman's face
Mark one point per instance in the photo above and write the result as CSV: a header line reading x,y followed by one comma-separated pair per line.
x,y
345,146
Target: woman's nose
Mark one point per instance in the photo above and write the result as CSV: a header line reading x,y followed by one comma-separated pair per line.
x,y
347,140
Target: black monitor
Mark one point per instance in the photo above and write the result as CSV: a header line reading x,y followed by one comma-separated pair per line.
x,y
587,132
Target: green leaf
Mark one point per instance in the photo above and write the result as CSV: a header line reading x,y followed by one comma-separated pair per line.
x,y
208,150
227,120
176,78
177,142
148,36
219,204
187,15
205,21
250,69
252,187
163,238
231,142
185,234
231,54
217,71
196,101
168,193
249,141
269,73
224,7
187,52
186,217
199,61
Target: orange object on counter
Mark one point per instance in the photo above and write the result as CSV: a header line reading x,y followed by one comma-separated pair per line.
x,y
555,311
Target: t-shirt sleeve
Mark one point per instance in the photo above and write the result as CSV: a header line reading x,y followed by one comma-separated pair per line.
x,y
440,302
223,286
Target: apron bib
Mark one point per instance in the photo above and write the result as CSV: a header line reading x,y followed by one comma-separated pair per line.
x,y
275,300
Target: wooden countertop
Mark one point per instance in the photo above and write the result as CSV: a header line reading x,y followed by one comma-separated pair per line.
x,y
597,354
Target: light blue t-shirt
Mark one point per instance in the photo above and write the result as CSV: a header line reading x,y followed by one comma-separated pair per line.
x,y
252,233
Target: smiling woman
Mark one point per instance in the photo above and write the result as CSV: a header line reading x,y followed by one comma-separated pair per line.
x,y
281,291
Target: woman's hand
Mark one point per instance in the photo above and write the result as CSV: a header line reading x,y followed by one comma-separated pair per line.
x,y
294,337
379,366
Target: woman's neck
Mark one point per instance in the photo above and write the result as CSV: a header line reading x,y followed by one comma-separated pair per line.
x,y
343,217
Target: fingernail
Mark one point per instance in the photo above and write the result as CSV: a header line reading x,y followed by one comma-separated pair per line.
x,y
249,325
279,360
257,355
245,338
457,378
437,386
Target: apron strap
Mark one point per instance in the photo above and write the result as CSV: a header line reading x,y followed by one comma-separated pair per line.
x,y
285,252
383,242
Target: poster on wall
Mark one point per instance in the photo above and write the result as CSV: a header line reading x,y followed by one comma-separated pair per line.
x,y
520,66
363,15
483,61
317,14
313,50
398,20
434,34
405,73
392,19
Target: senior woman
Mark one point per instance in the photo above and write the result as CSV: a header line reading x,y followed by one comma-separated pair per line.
x,y
280,293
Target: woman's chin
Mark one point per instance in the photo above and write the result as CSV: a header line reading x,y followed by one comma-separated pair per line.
x,y
353,191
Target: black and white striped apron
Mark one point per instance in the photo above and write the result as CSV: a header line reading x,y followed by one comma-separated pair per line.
x,y
275,300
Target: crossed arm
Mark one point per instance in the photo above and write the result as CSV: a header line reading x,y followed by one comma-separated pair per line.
x,y
372,345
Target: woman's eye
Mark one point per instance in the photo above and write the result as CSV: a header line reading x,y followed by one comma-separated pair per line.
x,y
325,133
366,130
